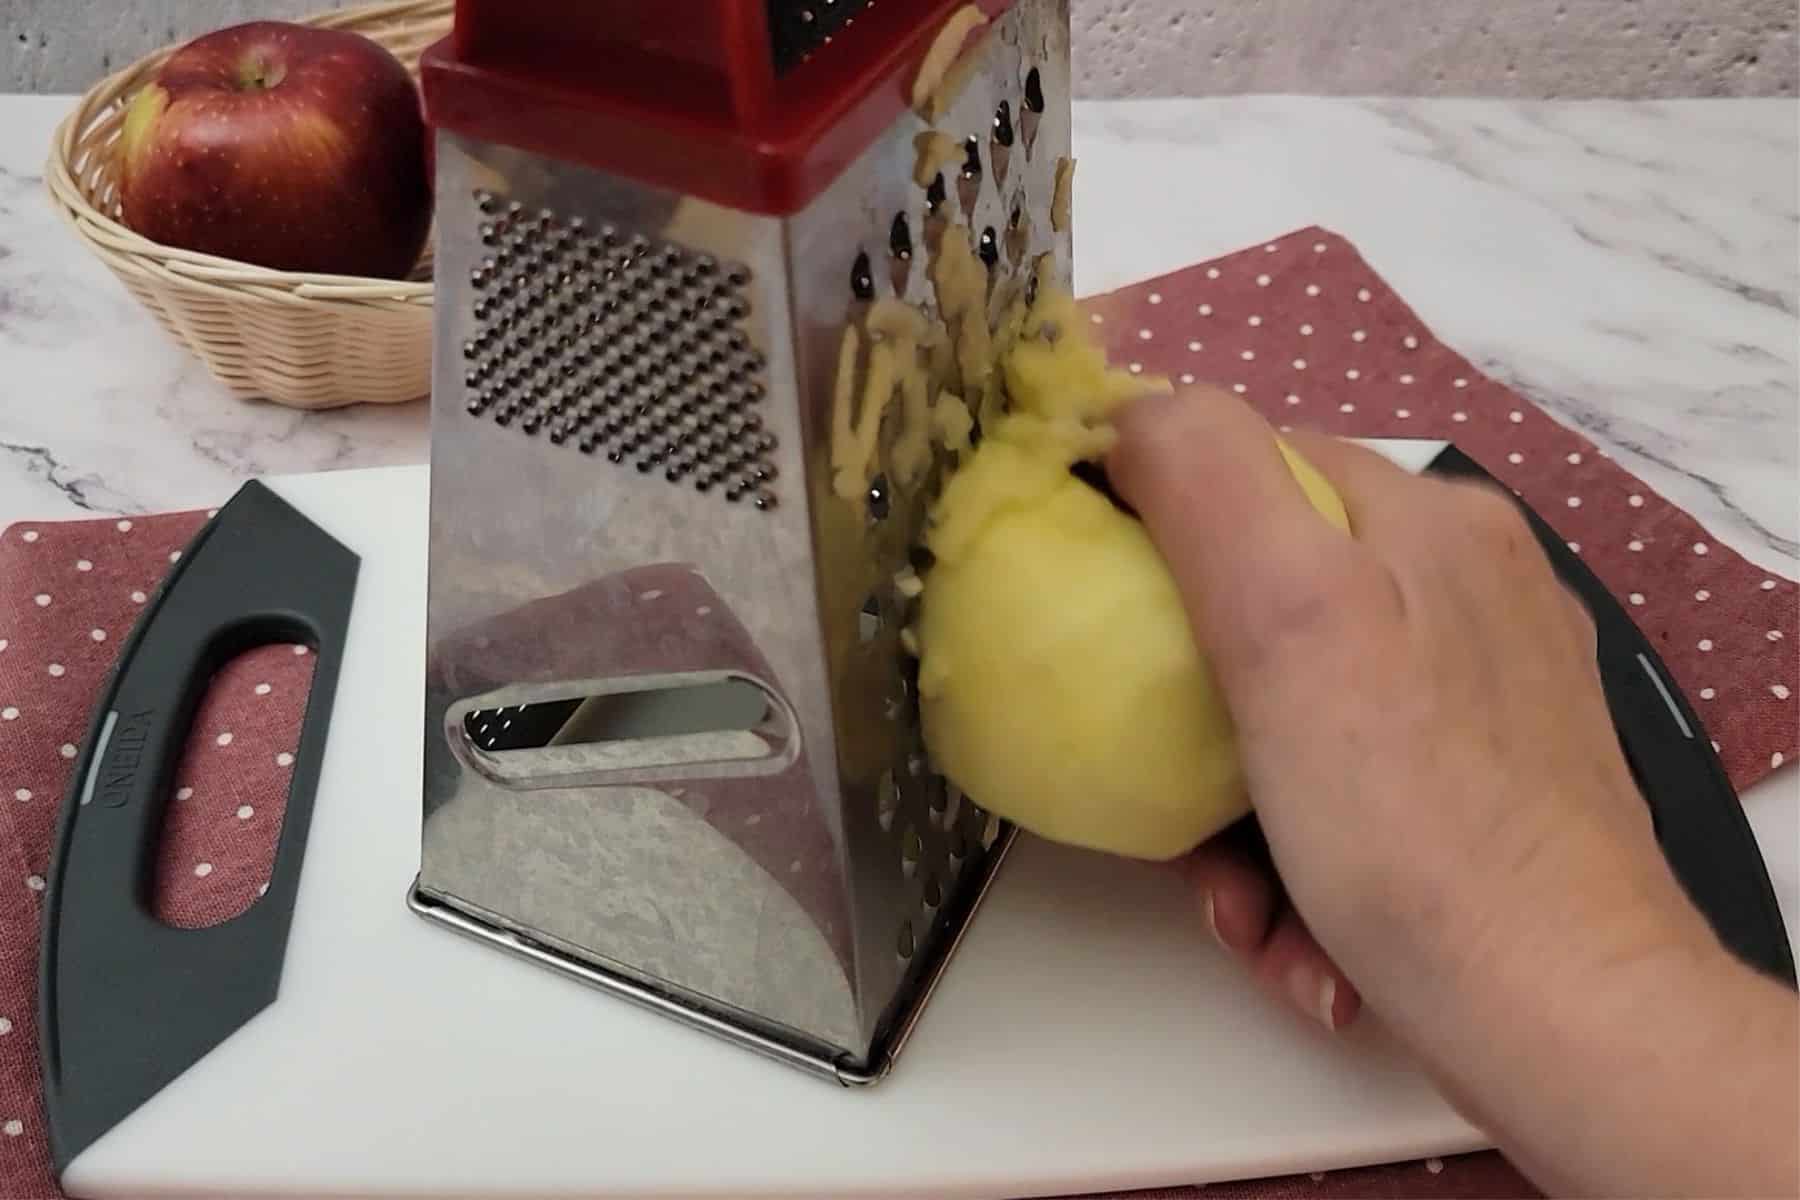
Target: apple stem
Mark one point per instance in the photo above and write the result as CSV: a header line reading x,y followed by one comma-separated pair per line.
x,y
259,73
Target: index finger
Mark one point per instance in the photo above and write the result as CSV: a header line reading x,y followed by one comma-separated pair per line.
x,y
1247,549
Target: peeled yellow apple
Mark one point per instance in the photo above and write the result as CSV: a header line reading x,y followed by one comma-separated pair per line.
x,y
1060,684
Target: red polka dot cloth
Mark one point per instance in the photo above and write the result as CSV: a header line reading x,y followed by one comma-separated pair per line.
x,y
69,593
1301,327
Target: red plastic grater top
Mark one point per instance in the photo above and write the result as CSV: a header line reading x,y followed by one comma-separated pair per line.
x,y
756,104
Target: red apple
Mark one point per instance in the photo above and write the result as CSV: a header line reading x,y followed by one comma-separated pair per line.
x,y
282,145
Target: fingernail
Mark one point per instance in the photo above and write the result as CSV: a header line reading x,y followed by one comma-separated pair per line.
x,y
1327,996
1212,924
1316,994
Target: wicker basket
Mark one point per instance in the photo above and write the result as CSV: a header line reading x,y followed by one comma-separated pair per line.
x,y
307,341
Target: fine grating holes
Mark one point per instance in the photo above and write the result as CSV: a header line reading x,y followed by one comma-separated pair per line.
x,y
618,345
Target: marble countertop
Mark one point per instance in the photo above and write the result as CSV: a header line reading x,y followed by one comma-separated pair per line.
x,y
1630,266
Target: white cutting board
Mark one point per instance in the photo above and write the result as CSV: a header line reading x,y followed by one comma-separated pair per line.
x,y
1088,1036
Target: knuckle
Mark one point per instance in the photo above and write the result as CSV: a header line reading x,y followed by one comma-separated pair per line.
x,y
1491,517
1579,613
1581,620
1299,606
1154,436
1307,597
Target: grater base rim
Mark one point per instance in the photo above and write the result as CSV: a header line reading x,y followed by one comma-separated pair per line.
x,y
891,1038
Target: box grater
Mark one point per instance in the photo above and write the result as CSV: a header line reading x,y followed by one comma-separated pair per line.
x,y
672,744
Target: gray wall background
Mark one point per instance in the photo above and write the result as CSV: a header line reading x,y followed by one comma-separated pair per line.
x,y
1527,48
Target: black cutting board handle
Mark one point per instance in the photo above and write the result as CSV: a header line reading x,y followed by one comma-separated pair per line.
x,y
127,1003
1699,821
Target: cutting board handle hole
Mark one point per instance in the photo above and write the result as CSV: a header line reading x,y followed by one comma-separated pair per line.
x,y
228,792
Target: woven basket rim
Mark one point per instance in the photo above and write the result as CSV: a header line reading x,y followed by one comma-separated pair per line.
x,y
125,248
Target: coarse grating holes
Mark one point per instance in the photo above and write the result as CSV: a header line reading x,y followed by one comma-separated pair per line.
x,y
1032,111
975,824
938,804
619,345
904,943
1000,142
1003,126
958,843
887,801
969,176
988,249
1018,239
936,195
912,849
862,277
937,836
900,253
868,621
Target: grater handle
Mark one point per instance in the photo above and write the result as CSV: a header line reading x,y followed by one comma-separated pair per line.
x,y
127,1003
1697,817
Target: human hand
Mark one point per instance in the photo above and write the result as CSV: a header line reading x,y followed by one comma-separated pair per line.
x,y
1458,839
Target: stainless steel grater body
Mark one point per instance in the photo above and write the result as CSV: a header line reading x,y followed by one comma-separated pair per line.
x,y
634,530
